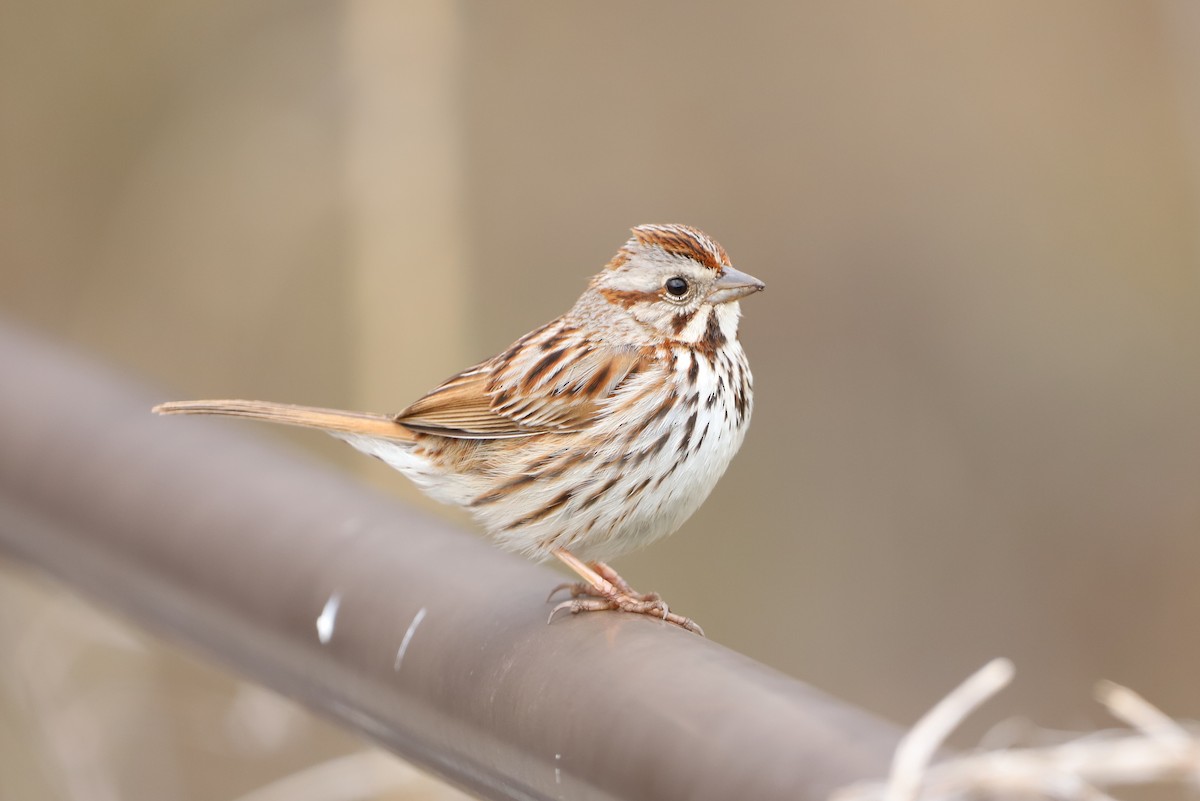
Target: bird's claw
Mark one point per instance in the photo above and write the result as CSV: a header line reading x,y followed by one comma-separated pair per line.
x,y
576,588
654,607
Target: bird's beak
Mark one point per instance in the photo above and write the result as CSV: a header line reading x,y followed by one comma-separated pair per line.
x,y
734,284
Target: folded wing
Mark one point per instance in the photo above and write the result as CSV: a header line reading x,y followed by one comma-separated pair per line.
x,y
544,384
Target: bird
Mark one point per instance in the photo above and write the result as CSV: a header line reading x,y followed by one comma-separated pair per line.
x,y
590,436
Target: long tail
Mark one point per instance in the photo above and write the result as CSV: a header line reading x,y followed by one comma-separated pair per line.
x,y
333,420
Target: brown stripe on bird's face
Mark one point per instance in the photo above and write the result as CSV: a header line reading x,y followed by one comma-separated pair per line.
x,y
680,321
713,338
684,241
627,298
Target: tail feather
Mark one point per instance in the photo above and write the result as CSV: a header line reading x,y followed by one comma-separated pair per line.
x,y
332,420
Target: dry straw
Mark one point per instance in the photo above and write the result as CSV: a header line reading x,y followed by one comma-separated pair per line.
x,y
1154,749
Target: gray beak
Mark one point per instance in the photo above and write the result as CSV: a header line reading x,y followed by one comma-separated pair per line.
x,y
734,284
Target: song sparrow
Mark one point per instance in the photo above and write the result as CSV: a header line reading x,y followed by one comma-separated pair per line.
x,y
592,435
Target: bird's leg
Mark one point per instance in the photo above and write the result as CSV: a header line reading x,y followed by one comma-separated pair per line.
x,y
605,589
614,578
606,572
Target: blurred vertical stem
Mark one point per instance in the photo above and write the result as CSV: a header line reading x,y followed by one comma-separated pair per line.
x,y
404,188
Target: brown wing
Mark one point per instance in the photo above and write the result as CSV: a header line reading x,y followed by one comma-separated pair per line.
x,y
544,384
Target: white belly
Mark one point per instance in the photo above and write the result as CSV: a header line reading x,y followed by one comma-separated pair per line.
x,y
625,490
631,492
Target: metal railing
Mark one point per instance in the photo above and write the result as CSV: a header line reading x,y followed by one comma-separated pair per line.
x,y
423,638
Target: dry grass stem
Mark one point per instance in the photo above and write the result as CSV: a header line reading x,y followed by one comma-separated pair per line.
x,y
1158,749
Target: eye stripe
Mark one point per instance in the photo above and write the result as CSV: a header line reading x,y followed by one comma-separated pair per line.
x,y
627,298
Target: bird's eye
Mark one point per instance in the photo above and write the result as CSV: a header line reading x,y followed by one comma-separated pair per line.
x,y
677,286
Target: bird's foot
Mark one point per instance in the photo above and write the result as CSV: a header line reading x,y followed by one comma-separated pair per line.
x,y
627,603
604,589
580,589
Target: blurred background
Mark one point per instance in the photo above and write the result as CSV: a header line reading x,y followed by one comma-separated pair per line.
x,y
977,361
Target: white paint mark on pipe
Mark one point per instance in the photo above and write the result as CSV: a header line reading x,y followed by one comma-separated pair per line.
x,y
408,635
328,618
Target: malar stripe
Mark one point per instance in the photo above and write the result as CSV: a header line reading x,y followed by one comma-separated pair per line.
x,y
713,337
680,321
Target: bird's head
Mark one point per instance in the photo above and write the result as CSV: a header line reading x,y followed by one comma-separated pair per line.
x,y
677,280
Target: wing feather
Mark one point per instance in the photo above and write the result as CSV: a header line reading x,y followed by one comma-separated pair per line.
x,y
552,384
